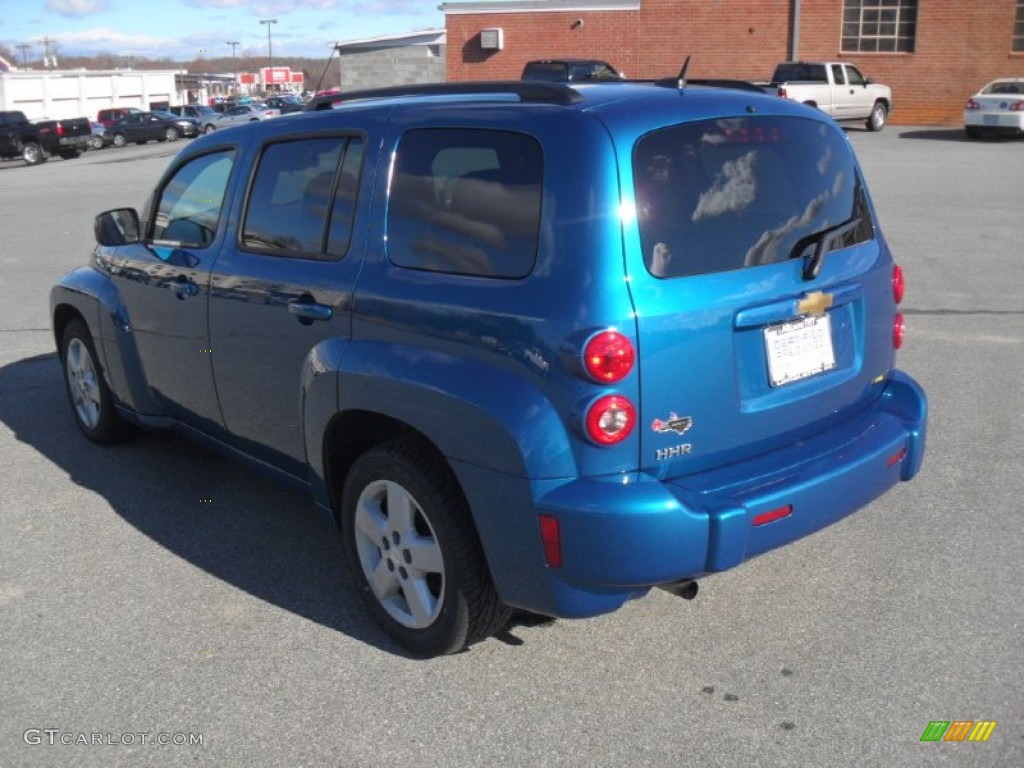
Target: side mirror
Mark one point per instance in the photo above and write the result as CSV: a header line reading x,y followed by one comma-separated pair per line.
x,y
117,227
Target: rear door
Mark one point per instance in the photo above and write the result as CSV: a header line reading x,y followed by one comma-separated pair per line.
x,y
761,294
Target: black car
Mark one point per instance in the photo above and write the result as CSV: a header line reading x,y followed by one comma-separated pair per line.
x,y
287,103
151,126
569,70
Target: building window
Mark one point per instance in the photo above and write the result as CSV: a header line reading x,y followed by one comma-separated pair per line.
x,y
1018,29
879,26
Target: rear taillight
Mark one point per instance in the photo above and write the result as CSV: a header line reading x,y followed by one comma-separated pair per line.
x,y
972,105
1017,106
60,129
782,93
897,331
610,419
898,284
608,357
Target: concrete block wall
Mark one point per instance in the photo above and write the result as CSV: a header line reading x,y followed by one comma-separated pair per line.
x,y
392,66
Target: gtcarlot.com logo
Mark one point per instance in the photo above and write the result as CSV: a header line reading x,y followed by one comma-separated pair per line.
x,y
55,736
958,730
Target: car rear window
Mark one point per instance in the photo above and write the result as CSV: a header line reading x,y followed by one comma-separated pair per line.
x,y
729,194
466,202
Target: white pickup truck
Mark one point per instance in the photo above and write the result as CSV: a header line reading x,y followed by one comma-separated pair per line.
x,y
836,88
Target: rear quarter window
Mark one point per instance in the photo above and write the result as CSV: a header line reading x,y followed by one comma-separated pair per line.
x,y
465,201
731,194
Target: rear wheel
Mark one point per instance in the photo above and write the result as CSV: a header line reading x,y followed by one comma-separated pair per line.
x,y
119,140
171,134
879,114
413,551
96,142
91,403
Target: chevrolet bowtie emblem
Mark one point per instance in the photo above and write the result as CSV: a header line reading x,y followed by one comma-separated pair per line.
x,y
814,303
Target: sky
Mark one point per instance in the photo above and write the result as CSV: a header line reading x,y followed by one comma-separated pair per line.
x,y
184,29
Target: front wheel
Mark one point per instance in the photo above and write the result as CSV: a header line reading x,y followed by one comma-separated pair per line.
x,y
91,403
171,134
210,128
96,142
119,140
879,114
413,551
32,153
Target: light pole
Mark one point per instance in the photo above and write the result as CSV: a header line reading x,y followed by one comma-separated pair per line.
x,y
24,48
234,67
270,49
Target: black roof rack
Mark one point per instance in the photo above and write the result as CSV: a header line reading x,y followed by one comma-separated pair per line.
x,y
740,85
531,91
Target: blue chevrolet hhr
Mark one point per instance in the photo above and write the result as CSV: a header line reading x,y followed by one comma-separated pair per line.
x,y
530,345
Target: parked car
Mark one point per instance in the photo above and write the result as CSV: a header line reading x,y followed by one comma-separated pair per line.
x,y
141,127
208,117
34,142
569,70
528,344
996,109
246,113
836,88
111,115
98,139
285,104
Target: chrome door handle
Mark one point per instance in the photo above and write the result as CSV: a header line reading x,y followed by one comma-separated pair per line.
x,y
307,311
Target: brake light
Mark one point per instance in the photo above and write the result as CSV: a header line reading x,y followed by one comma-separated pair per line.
x,y
898,284
782,93
972,105
1017,106
608,357
60,129
897,331
610,419
551,536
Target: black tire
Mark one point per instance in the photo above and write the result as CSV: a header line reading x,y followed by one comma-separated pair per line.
x,y
96,142
457,603
210,128
119,140
171,134
32,153
91,404
879,116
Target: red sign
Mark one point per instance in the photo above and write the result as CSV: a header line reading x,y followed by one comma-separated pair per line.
x,y
275,75
247,78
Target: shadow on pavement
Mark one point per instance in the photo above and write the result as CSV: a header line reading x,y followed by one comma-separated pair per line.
x,y
262,538
949,134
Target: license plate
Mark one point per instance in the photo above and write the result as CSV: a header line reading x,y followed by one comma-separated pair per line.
x,y
990,119
798,349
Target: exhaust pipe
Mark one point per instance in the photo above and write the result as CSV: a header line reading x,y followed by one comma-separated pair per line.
x,y
686,589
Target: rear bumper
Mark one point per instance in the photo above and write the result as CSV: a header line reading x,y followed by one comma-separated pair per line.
x,y
620,537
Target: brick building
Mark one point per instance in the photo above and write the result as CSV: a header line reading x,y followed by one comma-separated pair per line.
x,y
933,53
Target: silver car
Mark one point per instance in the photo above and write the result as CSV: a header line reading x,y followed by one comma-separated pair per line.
x,y
246,113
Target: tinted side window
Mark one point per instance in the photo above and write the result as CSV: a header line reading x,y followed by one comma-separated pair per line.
x,y
728,194
298,198
855,77
837,74
466,202
189,207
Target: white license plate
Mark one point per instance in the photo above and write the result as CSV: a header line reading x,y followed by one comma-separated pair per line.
x,y
990,119
799,348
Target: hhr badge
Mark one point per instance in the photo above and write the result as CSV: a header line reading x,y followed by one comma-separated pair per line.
x,y
674,423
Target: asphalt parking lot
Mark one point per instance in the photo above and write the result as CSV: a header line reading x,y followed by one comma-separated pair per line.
x,y
132,611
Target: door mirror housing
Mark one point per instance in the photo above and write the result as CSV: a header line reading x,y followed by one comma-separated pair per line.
x,y
118,227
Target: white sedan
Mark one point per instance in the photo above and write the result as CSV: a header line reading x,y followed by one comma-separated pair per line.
x,y
996,108
246,113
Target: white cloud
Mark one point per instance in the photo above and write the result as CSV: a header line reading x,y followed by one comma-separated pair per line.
x,y
77,8
734,188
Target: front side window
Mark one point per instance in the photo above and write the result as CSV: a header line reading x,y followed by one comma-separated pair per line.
x,y
190,205
735,193
466,202
302,198
879,26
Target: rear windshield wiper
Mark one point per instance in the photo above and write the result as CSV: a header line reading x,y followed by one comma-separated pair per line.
x,y
823,240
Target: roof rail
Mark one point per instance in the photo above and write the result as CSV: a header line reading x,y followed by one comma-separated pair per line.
x,y
740,85
528,90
